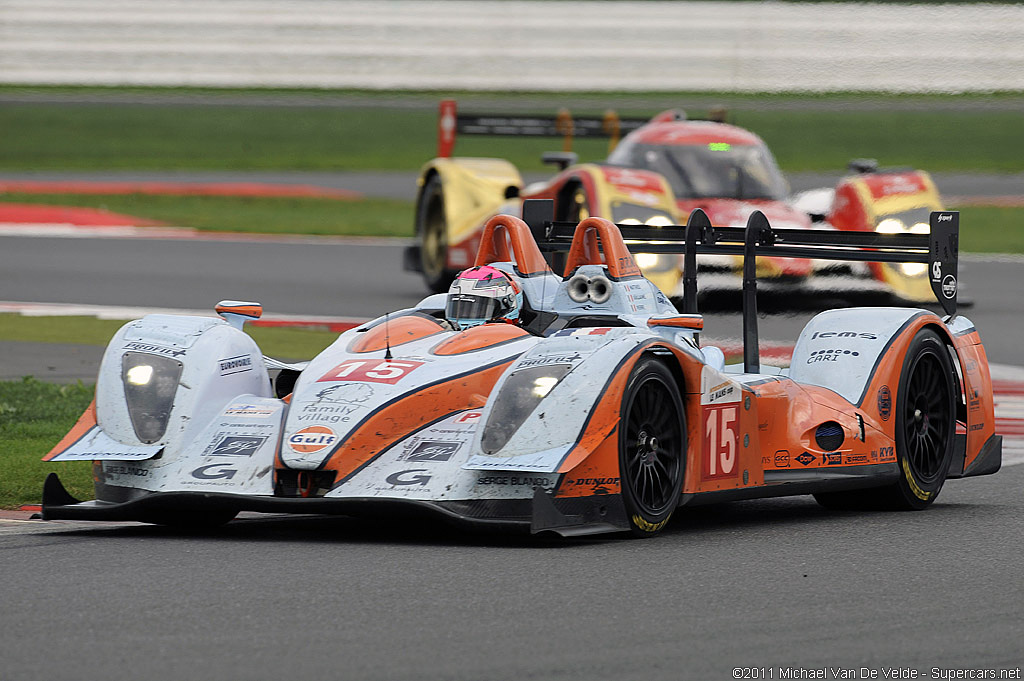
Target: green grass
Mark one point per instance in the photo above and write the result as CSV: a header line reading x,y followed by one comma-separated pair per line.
x,y
806,132
369,217
282,342
34,416
991,229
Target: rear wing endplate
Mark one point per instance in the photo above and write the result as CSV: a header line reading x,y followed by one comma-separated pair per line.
x,y
938,250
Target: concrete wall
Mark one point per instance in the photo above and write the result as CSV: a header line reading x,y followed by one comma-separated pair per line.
x,y
510,45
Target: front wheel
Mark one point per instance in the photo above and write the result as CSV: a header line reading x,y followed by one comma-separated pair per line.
x,y
652,447
432,233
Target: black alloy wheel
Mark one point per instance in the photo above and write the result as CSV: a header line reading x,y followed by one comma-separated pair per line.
x,y
652,446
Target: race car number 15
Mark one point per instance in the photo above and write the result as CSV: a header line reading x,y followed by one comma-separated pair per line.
x,y
372,370
721,440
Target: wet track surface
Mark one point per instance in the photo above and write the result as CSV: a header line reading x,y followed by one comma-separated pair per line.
x,y
762,583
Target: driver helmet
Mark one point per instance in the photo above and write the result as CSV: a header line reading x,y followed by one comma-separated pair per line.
x,y
483,294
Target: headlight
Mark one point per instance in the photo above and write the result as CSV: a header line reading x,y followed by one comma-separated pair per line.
x,y
518,397
150,383
913,269
890,226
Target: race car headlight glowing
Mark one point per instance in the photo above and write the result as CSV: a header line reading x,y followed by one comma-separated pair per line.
x,y
913,269
890,226
150,383
518,397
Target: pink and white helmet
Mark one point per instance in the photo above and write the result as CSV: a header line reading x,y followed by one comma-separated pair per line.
x,y
483,294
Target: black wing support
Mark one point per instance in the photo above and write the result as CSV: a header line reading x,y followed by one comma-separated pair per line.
x,y
938,250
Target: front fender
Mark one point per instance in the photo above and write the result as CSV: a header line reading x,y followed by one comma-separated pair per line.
x,y
543,431
474,189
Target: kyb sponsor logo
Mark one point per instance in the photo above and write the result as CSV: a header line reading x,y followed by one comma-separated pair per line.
x,y
312,439
238,445
414,476
235,365
844,334
433,451
155,349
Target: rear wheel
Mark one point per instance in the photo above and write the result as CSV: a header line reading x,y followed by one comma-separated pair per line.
x,y
652,447
432,232
925,428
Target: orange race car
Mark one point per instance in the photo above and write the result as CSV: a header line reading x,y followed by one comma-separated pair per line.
x,y
664,168
574,403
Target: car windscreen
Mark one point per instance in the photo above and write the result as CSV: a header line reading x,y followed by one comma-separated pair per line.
x,y
715,170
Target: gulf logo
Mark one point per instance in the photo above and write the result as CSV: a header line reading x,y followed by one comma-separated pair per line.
x,y
312,439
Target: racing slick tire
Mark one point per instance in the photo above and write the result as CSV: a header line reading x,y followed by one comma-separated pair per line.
x,y
432,234
652,447
925,431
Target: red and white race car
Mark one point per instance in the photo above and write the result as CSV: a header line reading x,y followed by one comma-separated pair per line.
x,y
663,169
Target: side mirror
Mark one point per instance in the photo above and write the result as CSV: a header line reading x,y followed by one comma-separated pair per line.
x,y
562,159
237,313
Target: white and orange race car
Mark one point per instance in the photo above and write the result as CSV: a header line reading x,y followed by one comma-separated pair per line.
x,y
599,412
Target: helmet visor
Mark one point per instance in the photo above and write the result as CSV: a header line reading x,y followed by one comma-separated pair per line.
x,y
467,307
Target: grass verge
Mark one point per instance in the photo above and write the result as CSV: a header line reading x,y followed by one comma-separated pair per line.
x,y
380,134
984,229
34,416
282,342
253,215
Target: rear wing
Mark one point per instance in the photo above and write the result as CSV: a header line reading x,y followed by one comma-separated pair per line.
x,y
611,126
939,250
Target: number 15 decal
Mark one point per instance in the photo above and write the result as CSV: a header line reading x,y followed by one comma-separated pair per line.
x,y
721,441
372,370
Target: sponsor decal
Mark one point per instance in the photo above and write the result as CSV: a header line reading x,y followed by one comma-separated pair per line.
x,y
855,458
884,402
717,389
949,286
312,439
886,454
433,451
945,217
250,410
371,370
830,355
844,334
937,270
549,359
235,365
238,445
513,480
214,471
806,458
832,458
977,426
122,469
327,413
352,393
782,459
155,349
469,417
410,477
